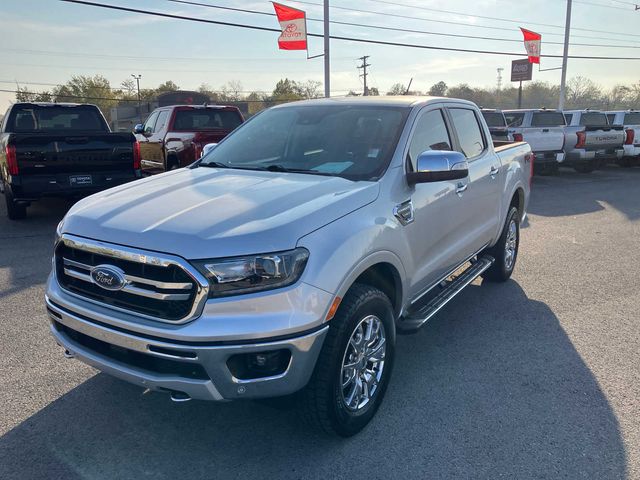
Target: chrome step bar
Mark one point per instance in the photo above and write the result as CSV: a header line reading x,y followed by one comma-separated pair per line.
x,y
414,319
74,269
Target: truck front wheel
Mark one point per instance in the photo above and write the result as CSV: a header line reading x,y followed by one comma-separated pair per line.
x,y
354,366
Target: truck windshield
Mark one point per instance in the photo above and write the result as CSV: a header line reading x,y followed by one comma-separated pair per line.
x,y
547,119
494,119
350,141
55,118
206,119
592,119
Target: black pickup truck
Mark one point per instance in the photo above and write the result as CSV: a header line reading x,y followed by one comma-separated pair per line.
x,y
62,150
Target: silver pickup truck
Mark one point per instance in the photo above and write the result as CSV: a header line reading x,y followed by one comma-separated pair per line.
x,y
543,129
630,120
289,257
590,140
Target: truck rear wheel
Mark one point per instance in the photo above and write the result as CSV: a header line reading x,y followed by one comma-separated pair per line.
x,y
505,251
354,367
14,211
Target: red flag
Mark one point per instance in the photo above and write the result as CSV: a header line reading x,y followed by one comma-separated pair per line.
x,y
532,41
294,28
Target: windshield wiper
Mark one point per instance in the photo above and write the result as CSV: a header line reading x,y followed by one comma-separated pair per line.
x,y
214,165
282,168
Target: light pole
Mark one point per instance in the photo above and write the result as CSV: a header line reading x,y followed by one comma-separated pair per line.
x,y
327,63
138,77
565,57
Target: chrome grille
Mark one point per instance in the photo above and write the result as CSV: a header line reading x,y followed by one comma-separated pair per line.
x,y
155,287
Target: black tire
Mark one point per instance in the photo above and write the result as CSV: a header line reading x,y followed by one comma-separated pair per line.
x,y
502,269
321,400
545,169
584,167
14,211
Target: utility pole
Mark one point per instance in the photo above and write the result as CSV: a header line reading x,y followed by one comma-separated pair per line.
x,y
565,57
327,62
364,72
500,70
138,77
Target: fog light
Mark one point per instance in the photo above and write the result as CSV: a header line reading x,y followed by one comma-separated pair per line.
x,y
247,366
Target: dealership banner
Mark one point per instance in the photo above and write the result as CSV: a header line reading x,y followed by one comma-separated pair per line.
x,y
293,23
532,41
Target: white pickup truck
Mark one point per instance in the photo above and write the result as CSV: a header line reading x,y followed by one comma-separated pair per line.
x,y
290,255
542,129
591,141
630,120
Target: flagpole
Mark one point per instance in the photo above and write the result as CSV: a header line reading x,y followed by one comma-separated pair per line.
x,y
565,57
327,64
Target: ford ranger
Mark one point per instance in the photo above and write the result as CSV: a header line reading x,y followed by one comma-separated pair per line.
x,y
289,257
174,136
543,129
630,120
591,141
62,150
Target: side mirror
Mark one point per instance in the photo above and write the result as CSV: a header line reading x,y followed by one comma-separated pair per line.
x,y
207,148
139,129
438,166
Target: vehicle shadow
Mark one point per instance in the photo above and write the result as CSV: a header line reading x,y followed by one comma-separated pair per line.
x,y
23,242
491,388
569,193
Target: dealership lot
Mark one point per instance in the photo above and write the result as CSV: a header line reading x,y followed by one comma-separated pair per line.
x,y
535,378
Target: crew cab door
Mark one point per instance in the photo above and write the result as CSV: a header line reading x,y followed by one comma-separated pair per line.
x,y
481,193
438,210
155,146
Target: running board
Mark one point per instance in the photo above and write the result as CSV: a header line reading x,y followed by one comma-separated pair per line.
x,y
450,287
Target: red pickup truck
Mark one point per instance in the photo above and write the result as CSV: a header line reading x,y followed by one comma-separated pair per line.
x,y
174,136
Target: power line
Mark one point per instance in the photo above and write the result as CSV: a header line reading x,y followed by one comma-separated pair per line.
x,y
449,22
395,29
334,37
520,22
603,6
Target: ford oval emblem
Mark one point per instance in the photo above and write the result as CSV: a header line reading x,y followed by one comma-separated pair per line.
x,y
108,277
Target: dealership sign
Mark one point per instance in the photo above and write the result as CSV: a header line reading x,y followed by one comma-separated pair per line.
x,y
521,70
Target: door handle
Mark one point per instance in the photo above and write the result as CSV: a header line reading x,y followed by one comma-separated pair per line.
x,y
461,188
494,171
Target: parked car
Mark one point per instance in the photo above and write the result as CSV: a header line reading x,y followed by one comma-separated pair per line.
x,y
590,140
630,120
543,129
174,136
497,125
62,150
288,257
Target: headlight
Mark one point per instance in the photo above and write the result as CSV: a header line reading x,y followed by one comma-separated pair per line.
x,y
237,275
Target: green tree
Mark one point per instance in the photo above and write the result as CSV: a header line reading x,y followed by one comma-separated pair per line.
x,y
439,89
84,89
397,89
24,95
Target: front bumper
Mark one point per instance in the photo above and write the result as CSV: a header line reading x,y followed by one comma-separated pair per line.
x,y
198,370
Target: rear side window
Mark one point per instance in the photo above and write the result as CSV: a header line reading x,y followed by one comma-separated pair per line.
x,y
632,118
209,119
547,119
55,118
430,134
514,119
591,119
494,119
469,133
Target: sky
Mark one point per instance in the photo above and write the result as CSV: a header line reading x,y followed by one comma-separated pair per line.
x,y
48,41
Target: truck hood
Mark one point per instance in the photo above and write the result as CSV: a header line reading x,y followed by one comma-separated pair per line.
x,y
208,213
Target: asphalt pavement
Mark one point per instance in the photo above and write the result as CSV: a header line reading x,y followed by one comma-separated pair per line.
x,y
535,378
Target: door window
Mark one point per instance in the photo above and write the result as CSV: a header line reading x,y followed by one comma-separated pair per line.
x,y
470,136
162,121
430,134
150,123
